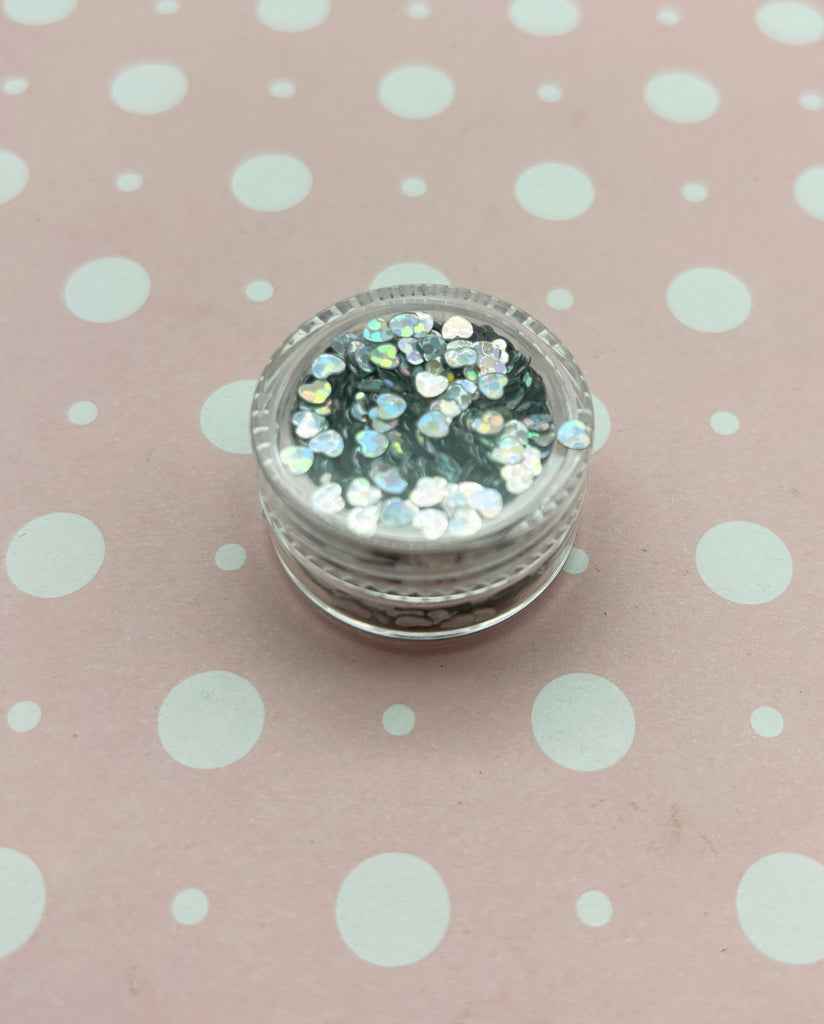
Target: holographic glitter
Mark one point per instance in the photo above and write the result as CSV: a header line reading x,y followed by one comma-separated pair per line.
x,y
378,330
328,365
297,459
430,385
361,493
306,424
315,391
328,498
574,434
457,327
328,442
371,443
411,426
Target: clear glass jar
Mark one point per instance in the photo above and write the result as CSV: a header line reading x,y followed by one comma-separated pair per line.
x,y
397,582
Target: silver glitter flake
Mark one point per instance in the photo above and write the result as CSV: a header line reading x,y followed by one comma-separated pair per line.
x,y
328,442
492,384
378,330
431,346
371,443
363,521
397,512
517,478
432,523
455,393
457,327
306,424
389,407
539,422
469,386
517,431
388,478
532,460
297,459
489,364
315,391
464,522
487,502
328,498
384,356
340,344
327,365
507,452
403,325
446,407
429,491
487,423
574,434
461,355
360,493
434,424
409,348
430,385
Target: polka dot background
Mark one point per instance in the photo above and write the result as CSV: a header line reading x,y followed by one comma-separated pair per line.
x,y
612,798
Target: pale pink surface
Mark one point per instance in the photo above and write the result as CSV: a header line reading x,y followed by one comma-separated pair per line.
x,y
117,826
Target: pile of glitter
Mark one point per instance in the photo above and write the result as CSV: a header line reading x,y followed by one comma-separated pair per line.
x,y
420,427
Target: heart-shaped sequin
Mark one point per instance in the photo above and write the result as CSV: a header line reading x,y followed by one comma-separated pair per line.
x,y
315,391
430,385
457,327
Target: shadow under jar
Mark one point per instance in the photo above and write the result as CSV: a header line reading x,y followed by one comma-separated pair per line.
x,y
422,454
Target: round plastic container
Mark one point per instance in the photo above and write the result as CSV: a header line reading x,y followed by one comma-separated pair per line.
x,y
398,582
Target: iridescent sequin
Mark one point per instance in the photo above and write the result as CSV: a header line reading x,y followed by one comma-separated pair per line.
x,y
315,391
434,424
371,443
307,423
388,478
429,491
398,512
327,365
507,451
488,422
464,522
432,523
378,330
492,384
487,502
426,322
340,344
430,385
574,434
517,431
532,460
403,325
297,459
410,350
328,498
389,407
361,493
328,442
517,478
461,355
457,327
459,395
363,521
446,407
431,346
490,364
384,356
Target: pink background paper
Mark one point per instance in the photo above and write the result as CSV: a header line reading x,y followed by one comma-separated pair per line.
x,y
266,793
